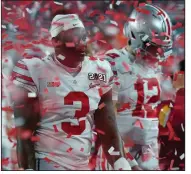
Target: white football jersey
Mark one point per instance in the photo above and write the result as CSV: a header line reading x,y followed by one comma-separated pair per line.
x,y
139,91
67,105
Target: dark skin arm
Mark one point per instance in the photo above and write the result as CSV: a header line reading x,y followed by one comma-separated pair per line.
x,y
26,109
106,122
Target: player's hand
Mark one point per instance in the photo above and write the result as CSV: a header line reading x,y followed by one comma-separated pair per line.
x,y
136,168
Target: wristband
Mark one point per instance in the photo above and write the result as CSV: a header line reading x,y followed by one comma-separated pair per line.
x,y
122,164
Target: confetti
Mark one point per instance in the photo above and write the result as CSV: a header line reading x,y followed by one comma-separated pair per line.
x,y
175,168
5,161
114,23
144,11
100,131
102,105
145,38
55,128
47,160
168,53
82,149
138,124
35,138
175,153
69,150
26,134
182,126
182,156
126,66
70,44
118,2
111,150
61,57
32,95
58,3
171,164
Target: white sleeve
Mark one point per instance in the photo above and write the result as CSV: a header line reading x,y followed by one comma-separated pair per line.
x,y
21,77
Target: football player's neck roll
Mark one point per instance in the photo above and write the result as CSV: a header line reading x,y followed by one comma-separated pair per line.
x,y
69,39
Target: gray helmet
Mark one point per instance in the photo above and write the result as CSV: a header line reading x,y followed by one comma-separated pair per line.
x,y
151,31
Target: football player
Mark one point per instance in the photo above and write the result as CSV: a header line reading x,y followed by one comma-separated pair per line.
x,y
58,98
140,89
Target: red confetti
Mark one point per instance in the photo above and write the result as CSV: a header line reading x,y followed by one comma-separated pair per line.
x,y
101,106
69,135
8,47
47,160
55,128
70,44
138,124
126,66
129,156
100,92
35,138
100,131
26,134
93,58
69,150
5,161
130,19
82,149
144,11
7,109
14,145
141,4
171,164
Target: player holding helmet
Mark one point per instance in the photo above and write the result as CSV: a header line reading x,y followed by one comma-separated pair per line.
x,y
58,98
140,90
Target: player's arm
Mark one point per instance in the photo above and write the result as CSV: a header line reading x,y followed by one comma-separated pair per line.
x,y
105,121
26,113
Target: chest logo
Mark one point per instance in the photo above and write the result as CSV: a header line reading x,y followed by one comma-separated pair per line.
x,y
95,76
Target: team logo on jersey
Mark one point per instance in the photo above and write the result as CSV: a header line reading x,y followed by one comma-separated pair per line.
x,y
93,85
53,84
95,76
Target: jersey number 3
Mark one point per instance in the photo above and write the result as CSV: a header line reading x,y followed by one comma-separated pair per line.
x,y
68,100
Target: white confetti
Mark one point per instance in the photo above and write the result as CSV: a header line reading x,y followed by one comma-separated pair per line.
x,y
182,127
111,6
182,156
175,168
118,2
111,150
114,153
145,38
32,95
61,57
114,23
58,3
175,153
166,54
3,26
7,8
28,10
171,106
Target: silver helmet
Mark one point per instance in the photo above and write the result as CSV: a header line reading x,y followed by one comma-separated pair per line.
x,y
150,32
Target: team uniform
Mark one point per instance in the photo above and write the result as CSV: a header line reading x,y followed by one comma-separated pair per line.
x,y
67,105
139,94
